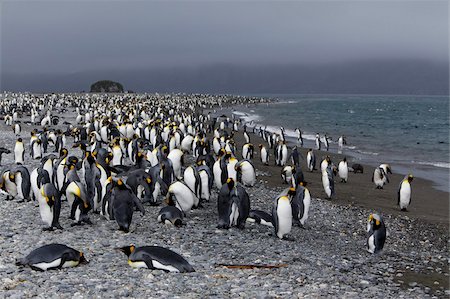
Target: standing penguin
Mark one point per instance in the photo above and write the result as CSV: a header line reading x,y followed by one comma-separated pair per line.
x,y
36,149
300,203
233,204
318,142
328,181
404,192
299,136
287,174
343,170
264,154
247,151
311,160
22,181
282,217
246,173
49,204
379,177
376,233
123,202
19,151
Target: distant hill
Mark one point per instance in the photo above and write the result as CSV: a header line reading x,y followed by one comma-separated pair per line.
x,y
382,76
107,86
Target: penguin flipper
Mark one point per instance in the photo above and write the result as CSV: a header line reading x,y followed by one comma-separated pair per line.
x,y
56,213
138,204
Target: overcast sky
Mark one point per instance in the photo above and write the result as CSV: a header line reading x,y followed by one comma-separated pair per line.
x,y
73,36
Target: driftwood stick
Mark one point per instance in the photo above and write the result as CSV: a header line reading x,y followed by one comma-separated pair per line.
x,y
251,266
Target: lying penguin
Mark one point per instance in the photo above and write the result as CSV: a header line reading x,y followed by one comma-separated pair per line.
x,y
52,256
156,257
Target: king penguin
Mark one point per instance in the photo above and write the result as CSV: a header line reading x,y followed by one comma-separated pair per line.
x,y
311,160
233,204
19,151
170,215
156,258
343,170
123,202
52,256
376,233
404,192
282,217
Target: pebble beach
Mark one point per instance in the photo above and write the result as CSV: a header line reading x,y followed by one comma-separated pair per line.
x,y
327,258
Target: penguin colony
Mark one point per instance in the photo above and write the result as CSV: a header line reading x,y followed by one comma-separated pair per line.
x,y
127,153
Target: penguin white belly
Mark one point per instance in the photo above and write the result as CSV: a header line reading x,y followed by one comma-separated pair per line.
x,y
44,266
169,268
60,174
205,185
230,169
284,157
244,152
371,244
308,161
77,214
11,188
69,264
323,165
284,214
343,171
189,178
234,215
157,190
46,212
18,154
36,151
34,186
117,156
306,204
217,172
405,195
326,183
264,156
137,264
248,176
139,191
19,186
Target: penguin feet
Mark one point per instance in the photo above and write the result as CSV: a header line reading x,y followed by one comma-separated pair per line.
x,y
155,203
58,226
296,223
47,229
404,210
288,238
223,226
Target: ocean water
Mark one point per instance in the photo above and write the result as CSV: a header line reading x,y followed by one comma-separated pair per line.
x,y
409,132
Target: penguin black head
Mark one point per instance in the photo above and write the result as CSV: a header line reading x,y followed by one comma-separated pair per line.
x,y
127,249
20,139
83,260
291,191
169,199
375,220
230,183
303,184
63,152
410,178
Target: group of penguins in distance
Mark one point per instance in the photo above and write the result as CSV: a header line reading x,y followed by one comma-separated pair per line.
x,y
155,133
